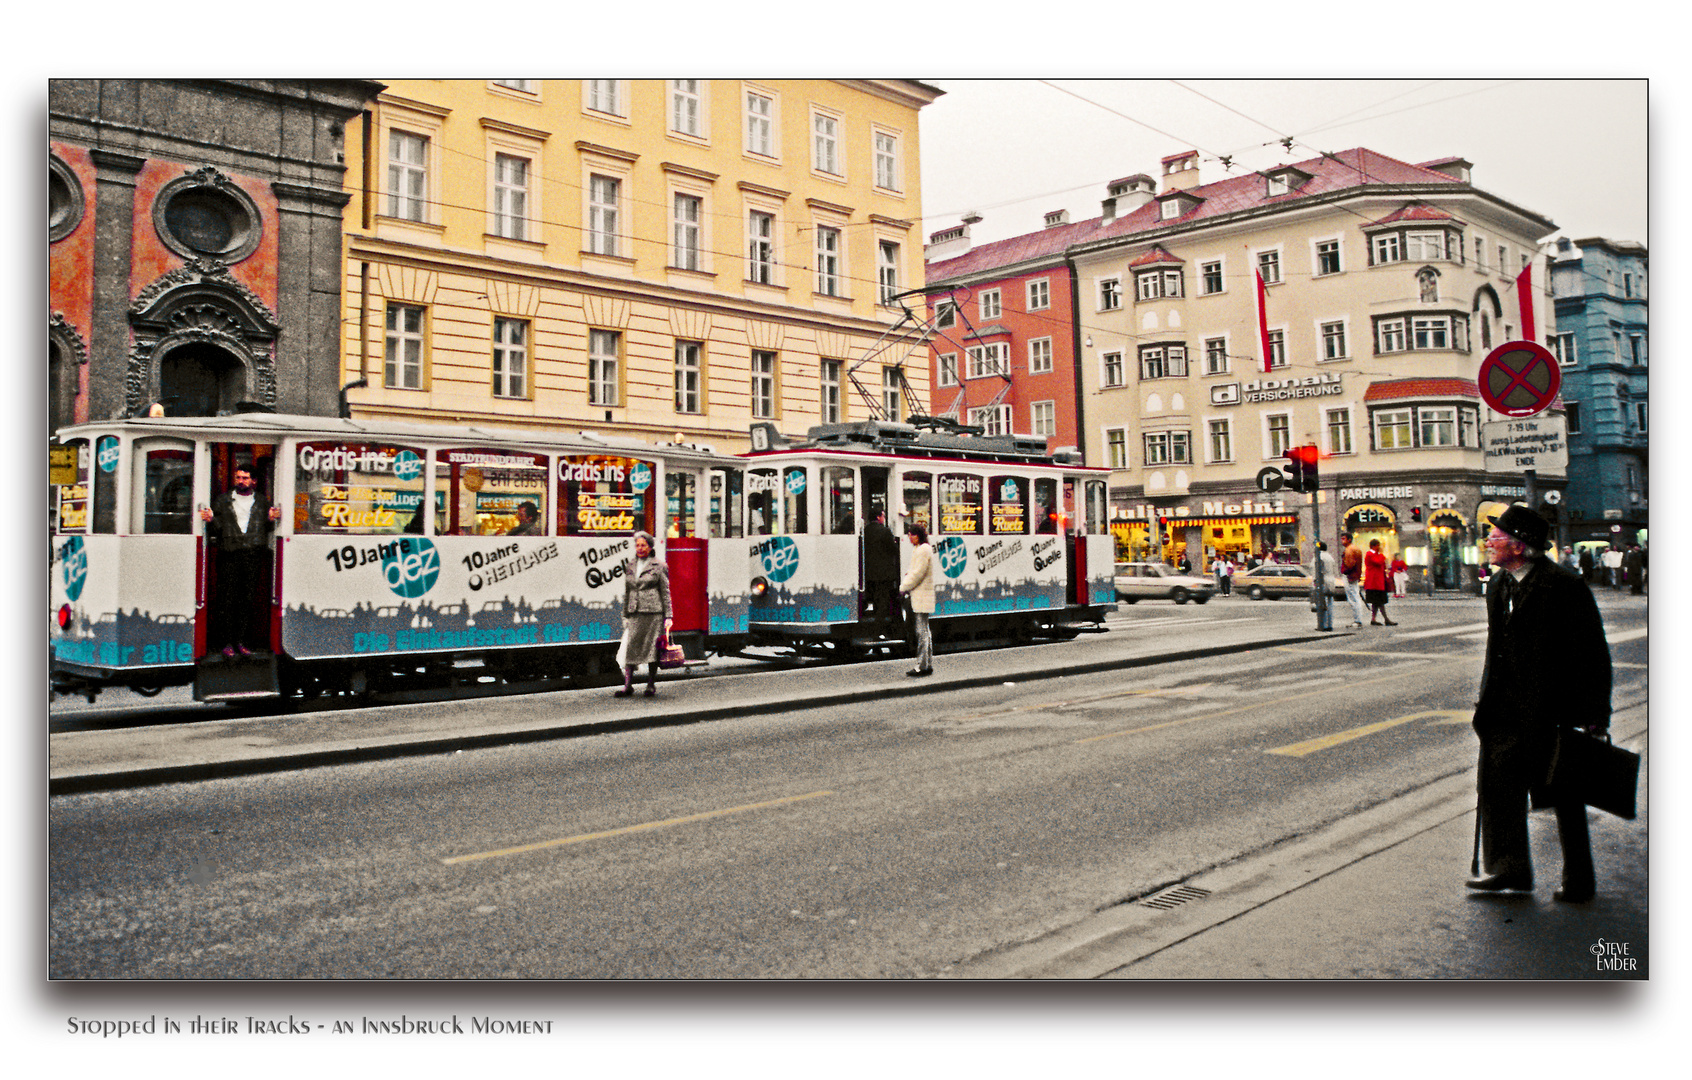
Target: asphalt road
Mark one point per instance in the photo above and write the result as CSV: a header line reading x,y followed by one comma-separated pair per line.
x,y
821,843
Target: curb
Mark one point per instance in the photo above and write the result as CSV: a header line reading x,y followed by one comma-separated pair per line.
x,y
119,779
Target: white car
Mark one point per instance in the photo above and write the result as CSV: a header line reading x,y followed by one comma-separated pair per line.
x,y
1136,581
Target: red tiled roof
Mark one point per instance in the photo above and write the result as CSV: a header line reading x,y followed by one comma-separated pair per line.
x,y
1397,389
1158,254
1045,244
1413,212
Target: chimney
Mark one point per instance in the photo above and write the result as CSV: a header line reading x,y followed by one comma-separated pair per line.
x,y
1180,171
1127,195
1055,218
950,243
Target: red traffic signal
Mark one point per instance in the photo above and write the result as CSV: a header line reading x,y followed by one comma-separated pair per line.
x,y
1302,474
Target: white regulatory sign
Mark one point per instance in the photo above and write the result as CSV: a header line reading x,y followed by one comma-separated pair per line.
x,y
1537,443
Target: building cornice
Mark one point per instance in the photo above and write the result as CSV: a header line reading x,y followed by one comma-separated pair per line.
x,y
507,128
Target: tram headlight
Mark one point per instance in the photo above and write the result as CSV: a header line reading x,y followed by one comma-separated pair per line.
x,y
760,586
64,616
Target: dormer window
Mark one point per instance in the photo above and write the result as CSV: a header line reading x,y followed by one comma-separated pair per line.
x,y
1171,209
1284,180
1176,204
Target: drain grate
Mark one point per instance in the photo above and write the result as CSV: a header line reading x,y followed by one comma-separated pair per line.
x,y
1175,897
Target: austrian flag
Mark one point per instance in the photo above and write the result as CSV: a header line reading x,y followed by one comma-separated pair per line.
x,y
1262,321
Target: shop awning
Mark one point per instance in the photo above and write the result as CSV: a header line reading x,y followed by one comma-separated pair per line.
x,y
1247,519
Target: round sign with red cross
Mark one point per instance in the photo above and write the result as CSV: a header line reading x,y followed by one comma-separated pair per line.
x,y
1519,378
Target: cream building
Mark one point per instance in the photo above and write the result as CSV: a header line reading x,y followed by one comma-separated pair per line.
x,y
1385,286
662,258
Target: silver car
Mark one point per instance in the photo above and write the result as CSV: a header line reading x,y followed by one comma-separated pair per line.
x,y
1136,581
1271,581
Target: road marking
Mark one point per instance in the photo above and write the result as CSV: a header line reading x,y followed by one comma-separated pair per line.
x,y
625,830
1625,635
1408,669
1361,652
1040,706
1414,634
1310,746
1623,663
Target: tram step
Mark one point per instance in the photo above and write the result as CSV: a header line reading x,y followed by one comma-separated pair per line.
x,y
238,678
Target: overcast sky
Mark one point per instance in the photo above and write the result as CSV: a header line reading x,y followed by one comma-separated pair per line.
x,y
1571,150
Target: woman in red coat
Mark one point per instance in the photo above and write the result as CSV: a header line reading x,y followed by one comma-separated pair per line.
x,y
1375,584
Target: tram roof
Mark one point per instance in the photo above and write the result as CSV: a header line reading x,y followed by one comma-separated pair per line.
x,y
287,425
908,440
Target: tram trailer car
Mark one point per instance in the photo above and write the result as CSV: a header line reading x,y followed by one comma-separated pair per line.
x,y
1020,536
401,558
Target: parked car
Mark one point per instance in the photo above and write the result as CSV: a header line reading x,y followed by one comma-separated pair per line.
x,y
1271,581
1136,581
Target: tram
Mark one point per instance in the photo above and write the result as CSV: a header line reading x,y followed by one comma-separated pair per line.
x,y
405,554
1020,537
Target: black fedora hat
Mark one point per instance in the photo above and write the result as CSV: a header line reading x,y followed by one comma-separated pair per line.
x,y
1522,523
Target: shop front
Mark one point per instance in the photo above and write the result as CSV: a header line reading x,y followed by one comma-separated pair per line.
x,y
1199,530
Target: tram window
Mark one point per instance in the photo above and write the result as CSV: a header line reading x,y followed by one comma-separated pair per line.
x,y
840,488
763,508
167,489
72,498
680,490
1096,505
960,504
795,491
1008,511
482,492
604,495
1046,508
918,497
358,488
108,450
726,509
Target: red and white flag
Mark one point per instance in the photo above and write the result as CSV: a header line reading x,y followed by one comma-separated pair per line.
x,y
1524,296
1262,321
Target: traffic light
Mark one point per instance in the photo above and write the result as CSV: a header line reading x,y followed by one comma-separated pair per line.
x,y
1302,472
1416,514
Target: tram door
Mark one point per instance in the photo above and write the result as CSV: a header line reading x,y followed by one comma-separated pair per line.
x,y
237,621
875,600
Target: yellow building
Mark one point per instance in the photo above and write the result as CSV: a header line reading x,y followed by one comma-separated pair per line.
x,y
652,258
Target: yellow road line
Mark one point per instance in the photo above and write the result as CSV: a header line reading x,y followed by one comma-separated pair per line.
x,y
1331,688
625,830
1310,746
1154,692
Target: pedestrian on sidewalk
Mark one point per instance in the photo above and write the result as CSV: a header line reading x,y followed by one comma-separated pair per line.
x,y
1351,565
1400,577
881,571
1547,667
1375,584
1633,564
919,586
1227,577
1613,566
646,612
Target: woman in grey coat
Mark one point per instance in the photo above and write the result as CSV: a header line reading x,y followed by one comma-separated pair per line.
x,y
646,611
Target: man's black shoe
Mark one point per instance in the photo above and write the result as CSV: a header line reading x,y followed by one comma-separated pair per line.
x,y
918,673
1500,883
1569,894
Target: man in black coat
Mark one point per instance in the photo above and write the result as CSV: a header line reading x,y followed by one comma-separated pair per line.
x,y
239,524
1547,667
881,570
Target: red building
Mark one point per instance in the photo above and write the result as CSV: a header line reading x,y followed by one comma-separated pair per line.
x,y
1004,355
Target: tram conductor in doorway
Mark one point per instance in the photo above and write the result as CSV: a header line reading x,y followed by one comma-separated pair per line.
x,y
1547,667
239,523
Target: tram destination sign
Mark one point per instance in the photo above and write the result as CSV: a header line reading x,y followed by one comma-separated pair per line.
x,y
1541,442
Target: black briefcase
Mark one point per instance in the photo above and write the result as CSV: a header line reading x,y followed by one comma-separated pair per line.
x,y
1595,771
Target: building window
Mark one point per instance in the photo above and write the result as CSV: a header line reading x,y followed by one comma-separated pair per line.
x,y
992,419
1112,368
1563,347
510,358
606,96
603,349
1392,429
1339,431
829,405
1333,341
1040,356
985,360
1216,356
1280,434
887,269
1328,257
1163,361
524,85
1436,332
1210,277
1221,441
760,247
1387,249
1389,335
825,144
408,172
948,369
403,365
760,124
688,373
603,193
684,106
892,397
1269,265
1571,413
1420,246
1277,348
1157,284
1116,444
1168,448
946,314
1636,349
763,385
1039,295
511,197
1639,412
886,161
828,261
1503,259
1480,253
686,232
1042,416
1110,294
1468,427
991,308
1439,426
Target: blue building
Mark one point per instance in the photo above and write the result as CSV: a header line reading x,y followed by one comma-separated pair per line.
x,y
1601,338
